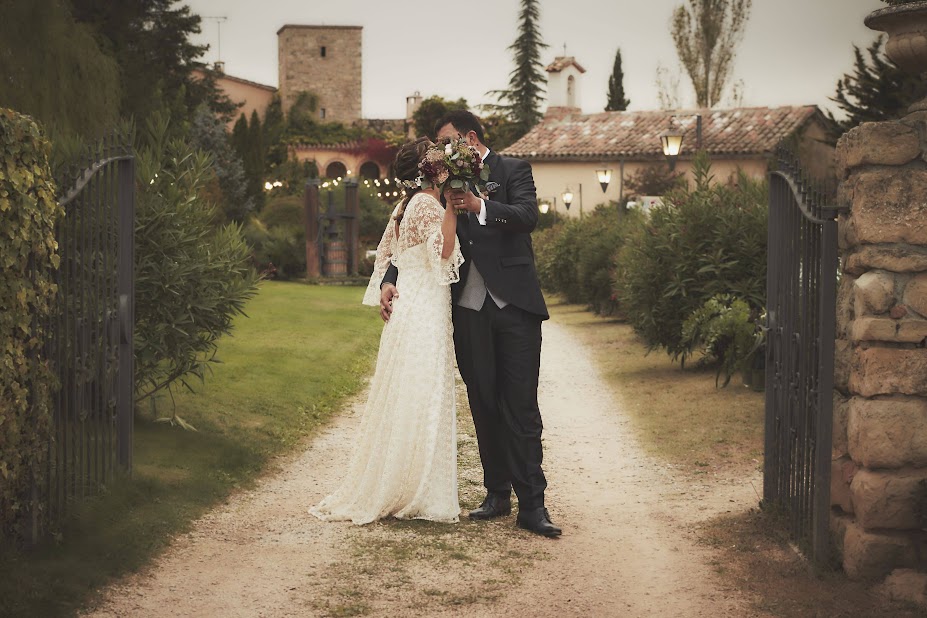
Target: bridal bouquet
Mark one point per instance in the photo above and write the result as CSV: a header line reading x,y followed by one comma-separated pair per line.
x,y
456,162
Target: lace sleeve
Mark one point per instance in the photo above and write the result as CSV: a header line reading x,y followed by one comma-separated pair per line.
x,y
385,251
422,224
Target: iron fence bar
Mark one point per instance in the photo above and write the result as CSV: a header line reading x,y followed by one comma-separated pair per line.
x,y
94,413
825,418
771,490
126,295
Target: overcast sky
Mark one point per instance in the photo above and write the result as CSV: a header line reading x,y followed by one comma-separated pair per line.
x,y
793,51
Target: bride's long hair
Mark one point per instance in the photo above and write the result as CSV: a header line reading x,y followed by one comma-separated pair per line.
x,y
405,168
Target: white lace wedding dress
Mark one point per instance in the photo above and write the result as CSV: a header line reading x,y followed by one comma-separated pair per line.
x,y
404,462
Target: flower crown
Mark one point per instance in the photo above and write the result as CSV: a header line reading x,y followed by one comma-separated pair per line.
x,y
411,184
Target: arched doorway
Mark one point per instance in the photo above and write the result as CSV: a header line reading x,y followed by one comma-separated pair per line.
x,y
370,170
336,169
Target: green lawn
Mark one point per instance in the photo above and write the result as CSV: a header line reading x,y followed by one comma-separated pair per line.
x,y
302,351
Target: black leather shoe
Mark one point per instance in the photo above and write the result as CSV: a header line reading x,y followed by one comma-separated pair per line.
x,y
538,522
494,505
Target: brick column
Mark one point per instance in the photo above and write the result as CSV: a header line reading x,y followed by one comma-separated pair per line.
x,y
879,480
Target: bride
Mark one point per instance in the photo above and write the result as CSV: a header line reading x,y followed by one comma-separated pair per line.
x,y
404,462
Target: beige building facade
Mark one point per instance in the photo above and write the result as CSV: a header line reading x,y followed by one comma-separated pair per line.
x,y
568,147
252,96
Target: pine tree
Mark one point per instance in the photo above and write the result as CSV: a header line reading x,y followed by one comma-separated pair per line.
x,y
876,90
616,99
706,34
521,102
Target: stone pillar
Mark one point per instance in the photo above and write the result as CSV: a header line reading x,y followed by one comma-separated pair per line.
x,y
879,480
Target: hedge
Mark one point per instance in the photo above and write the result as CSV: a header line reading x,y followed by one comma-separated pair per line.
x,y
28,256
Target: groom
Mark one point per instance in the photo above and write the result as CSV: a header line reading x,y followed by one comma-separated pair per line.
x,y
497,311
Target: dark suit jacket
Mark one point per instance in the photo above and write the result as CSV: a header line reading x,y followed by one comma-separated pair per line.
x,y
502,249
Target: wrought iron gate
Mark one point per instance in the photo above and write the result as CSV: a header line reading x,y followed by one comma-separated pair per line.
x,y
90,331
801,316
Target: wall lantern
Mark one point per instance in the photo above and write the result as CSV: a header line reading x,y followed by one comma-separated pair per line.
x,y
605,176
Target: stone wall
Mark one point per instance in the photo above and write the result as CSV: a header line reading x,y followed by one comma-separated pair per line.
x,y
880,407
335,77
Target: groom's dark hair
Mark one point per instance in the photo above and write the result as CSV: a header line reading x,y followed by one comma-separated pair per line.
x,y
463,121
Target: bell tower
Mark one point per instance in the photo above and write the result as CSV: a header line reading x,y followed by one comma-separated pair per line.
x,y
564,86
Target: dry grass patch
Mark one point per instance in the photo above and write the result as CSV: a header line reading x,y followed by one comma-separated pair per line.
x,y
679,414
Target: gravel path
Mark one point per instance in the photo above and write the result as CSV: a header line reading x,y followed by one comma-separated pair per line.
x,y
628,547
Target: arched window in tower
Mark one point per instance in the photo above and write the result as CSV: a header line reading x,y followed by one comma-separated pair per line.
x,y
370,170
336,169
571,91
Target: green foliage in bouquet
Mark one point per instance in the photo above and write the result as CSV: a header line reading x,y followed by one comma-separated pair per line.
x,y
701,242
191,277
456,164
724,329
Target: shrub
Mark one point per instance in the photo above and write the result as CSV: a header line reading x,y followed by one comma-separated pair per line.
x,y
278,234
208,134
28,212
724,329
286,210
549,219
278,238
558,258
576,258
279,251
191,278
701,242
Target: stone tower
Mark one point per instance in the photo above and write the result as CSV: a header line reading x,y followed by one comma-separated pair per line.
x,y
324,60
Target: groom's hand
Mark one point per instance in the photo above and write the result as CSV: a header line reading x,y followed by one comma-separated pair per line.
x,y
388,293
462,200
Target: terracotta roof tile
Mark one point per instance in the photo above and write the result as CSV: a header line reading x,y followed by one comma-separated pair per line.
x,y
749,130
562,62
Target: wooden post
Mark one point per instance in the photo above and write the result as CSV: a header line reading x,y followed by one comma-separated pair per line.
x,y
352,206
311,202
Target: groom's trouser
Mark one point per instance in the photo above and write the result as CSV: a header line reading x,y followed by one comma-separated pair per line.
x,y
499,357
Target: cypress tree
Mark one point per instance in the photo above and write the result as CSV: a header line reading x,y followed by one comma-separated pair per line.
x,y
616,99
240,136
254,159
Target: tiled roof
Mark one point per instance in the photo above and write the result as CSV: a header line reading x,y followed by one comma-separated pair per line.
x,y
741,131
562,62
247,82
222,75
